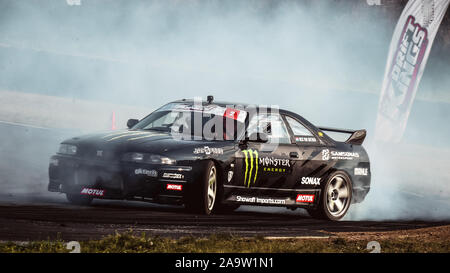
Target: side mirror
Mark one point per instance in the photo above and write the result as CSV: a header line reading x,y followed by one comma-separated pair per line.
x,y
131,123
257,137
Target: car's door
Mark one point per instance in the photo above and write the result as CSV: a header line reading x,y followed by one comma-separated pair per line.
x,y
262,168
309,174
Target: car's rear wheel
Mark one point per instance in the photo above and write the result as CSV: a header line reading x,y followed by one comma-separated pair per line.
x,y
336,197
78,199
203,199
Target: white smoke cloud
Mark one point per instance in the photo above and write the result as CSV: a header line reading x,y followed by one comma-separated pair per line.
x,y
322,59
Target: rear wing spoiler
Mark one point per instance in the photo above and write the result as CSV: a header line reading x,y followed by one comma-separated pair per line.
x,y
356,136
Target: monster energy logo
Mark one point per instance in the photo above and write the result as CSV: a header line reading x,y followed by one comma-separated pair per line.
x,y
251,162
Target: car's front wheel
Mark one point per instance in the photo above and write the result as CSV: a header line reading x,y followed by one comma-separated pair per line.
x,y
78,199
336,197
204,198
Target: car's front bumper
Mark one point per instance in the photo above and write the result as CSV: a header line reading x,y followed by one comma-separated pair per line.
x,y
118,180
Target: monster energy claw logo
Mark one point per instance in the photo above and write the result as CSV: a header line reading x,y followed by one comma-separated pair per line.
x,y
251,159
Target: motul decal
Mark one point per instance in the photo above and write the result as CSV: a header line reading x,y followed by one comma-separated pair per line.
x,y
93,192
174,187
305,198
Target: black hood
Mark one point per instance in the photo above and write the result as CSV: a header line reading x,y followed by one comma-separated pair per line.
x,y
154,142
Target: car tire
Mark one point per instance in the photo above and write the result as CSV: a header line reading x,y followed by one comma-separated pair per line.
x,y
78,199
335,199
204,197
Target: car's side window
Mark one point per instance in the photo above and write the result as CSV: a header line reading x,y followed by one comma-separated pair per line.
x,y
272,125
301,133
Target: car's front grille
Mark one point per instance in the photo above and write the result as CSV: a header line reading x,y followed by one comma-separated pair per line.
x,y
97,176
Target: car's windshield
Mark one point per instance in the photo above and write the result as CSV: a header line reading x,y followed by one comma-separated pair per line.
x,y
186,120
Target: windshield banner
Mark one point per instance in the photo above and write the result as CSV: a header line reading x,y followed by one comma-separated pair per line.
x,y
216,110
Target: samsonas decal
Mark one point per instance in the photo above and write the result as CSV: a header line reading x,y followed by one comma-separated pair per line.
x,y
327,155
344,155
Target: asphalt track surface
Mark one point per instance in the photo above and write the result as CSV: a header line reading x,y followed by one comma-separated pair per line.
x,y
28,212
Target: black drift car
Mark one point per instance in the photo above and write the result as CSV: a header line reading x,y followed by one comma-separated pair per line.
x,y
213,156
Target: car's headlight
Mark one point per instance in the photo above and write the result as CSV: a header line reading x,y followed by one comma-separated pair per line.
x,y
148,158
157,159
67,149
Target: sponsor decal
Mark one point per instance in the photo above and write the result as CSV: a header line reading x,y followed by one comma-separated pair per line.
x,y
327,155
267,164
343,155
274,170
305,139
274,162
230,176
92,192
146,172
173,175
311,181
249,154
174,187
305,198
361,171
207,150
260,200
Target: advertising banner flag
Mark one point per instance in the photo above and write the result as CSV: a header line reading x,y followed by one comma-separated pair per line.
x,y
408,53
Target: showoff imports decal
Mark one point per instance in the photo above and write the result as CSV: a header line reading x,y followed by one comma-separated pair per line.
x,y
260,200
